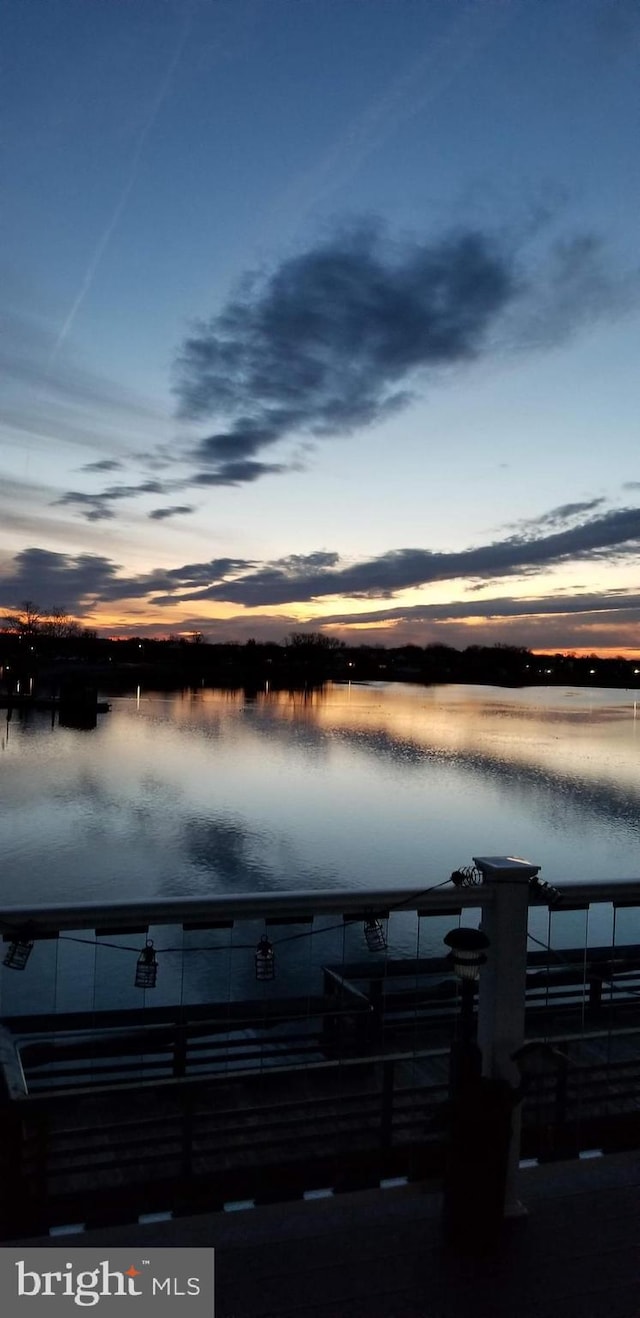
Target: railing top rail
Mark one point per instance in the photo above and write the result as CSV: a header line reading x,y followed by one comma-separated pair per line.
x,y
599,890
238,906
126,916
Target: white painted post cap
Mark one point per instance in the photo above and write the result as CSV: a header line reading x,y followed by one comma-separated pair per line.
x,y
506,867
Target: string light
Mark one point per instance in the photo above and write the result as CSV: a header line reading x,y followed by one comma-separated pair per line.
x,y
147,967
374,934
265,959
18,954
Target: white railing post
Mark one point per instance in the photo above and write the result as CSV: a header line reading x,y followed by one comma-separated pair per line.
x,y
501,997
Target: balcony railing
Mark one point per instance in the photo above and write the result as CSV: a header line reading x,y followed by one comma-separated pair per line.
x,y
215,1085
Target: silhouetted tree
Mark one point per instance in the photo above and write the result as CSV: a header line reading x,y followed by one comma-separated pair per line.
x,y
59,625
27,622
312,641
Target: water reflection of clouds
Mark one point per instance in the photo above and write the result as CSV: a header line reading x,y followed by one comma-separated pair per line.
x,y
243,859
467,729
601,739
554,784
545,788
359,786
544,793
285,717
227,850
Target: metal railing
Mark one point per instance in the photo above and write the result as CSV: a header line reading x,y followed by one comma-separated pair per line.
x,y
354,1088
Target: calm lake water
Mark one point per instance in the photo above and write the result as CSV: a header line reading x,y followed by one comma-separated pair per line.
x,y
359,785
354,786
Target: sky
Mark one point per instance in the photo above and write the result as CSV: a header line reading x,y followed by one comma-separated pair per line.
x,y
323,315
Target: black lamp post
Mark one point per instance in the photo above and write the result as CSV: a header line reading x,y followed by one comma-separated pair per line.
x,y
480,1114
479,1119
468,954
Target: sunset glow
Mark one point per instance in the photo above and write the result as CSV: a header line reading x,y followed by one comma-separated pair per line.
x,y
321,320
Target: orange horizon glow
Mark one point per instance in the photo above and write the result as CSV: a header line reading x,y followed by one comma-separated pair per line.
x,y
600,652
273,626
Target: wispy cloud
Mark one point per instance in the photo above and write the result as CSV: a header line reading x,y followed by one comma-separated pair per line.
x,y
98,507
566,514
469,29
172,510
118,211
574,287
69,392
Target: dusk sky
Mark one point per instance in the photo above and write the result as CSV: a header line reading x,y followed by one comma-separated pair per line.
x,y
323,314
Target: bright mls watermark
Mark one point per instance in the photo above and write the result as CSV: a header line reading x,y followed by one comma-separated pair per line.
x,y
53,1282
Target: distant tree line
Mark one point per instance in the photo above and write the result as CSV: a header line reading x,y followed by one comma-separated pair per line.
x,y
33,641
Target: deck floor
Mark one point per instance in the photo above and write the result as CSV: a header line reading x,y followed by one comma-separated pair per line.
x,y
379,1254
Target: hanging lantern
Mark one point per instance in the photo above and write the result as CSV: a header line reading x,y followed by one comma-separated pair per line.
x,y
18,954
374,934
147,967
265,960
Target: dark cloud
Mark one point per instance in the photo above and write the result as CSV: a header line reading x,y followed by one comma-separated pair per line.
x,y
563,515
321,558
80,581
173,510
217,567
93,506
589,605
188,577
609,534
53,580
238,473
568,511
331,339
293,568
107,464
335,339
83,581
96,507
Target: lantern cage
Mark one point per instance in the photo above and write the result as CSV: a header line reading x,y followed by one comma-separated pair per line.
x,y
18,953
265,959
374,934
147,967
